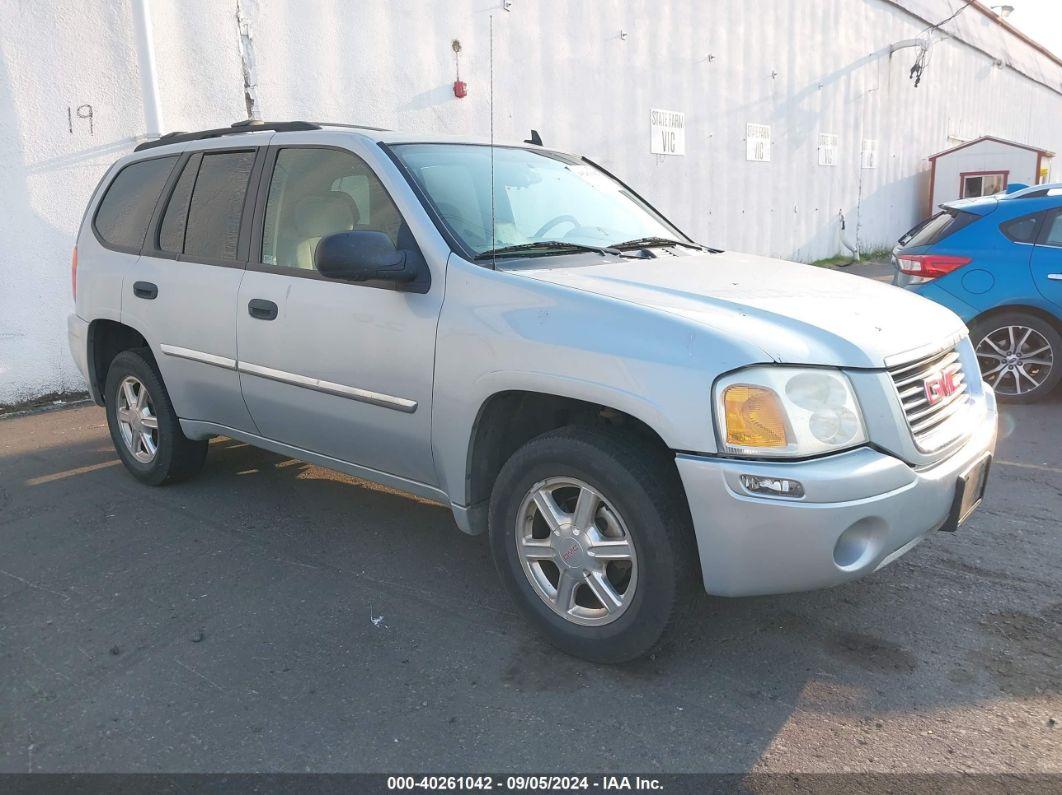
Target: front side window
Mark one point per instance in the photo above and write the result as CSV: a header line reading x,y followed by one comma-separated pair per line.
x,y
983,184
316,192
212,231
537,197
123,215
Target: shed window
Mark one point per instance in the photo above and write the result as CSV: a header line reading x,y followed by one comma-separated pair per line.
x,y
982,183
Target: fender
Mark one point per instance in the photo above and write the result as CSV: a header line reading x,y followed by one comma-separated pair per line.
x,y
453,461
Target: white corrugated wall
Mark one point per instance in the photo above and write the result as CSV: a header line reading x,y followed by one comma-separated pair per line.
x,y
562,67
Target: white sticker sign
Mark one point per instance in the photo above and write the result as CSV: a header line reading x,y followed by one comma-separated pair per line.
x,y
758,142
827,149
868,155
667,132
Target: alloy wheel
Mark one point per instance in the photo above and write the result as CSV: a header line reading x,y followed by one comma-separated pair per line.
x,y
1015,360
576,551
137,422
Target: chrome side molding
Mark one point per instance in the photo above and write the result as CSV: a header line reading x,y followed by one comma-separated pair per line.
x,y
199,356
330,388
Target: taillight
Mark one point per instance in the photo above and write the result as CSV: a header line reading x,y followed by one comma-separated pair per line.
x,y
930,266
73,272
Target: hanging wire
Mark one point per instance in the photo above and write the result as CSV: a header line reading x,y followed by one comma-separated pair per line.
x,y
921,63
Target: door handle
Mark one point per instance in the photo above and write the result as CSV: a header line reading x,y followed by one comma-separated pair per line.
x,y
262,309
145,290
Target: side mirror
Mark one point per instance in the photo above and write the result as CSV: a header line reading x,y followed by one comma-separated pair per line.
x,y
359,256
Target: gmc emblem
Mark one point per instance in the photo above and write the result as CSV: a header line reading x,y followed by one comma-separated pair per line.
x,y
939,387
570,553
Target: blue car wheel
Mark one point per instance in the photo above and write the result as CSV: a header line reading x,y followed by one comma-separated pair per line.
x,y
1020,355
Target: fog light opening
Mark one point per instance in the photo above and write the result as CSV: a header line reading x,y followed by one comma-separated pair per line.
x,y
859,544
773,487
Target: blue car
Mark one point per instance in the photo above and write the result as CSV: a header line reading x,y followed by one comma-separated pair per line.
x,y
996,261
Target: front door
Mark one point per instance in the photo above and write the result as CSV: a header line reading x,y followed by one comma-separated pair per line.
x,y
1047,259
340,369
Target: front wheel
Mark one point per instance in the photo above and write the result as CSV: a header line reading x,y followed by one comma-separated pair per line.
x,y
591,534
144,427
1020,355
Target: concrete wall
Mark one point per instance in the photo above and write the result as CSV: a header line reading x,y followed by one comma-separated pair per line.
x,y
982,156
585,73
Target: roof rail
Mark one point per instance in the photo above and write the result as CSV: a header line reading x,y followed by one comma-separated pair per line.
x,y
246,126
1036,191
351,126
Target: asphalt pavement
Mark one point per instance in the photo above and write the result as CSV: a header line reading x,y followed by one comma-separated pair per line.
x,y
273,616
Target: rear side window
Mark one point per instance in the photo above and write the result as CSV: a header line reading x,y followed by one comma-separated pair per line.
x,y
937,228
212,230
122,218
1021,230
175,220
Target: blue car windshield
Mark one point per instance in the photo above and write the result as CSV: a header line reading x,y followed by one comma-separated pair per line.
x,y
538,197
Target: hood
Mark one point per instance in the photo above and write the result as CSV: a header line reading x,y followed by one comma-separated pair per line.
x,y
798,314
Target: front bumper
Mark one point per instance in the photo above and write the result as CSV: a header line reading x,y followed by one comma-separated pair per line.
x,y
862,509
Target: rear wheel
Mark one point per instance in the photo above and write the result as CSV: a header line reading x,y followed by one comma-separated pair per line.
x,y
591,533
1020,355
144,428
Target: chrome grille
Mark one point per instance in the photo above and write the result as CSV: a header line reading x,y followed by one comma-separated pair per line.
x,y
929,421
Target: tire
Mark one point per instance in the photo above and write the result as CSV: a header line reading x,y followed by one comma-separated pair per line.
x,y
153,455
1026,347
638,499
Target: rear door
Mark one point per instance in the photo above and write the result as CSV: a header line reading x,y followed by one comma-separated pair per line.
x,y
1047,258
109,256
183,296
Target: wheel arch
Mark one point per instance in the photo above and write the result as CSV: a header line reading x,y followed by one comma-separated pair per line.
x,y
509,418
1037,311
106,339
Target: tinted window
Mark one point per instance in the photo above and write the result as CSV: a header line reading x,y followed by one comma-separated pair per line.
x,y
318,192
123,215
175,220
1021,230
937,228
213,226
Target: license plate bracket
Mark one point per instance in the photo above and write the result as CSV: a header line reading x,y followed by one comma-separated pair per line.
x,y
969,491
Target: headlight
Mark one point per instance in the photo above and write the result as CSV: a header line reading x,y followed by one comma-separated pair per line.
x,y
786,412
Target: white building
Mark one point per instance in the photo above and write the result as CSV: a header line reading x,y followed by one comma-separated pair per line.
x,y
791,112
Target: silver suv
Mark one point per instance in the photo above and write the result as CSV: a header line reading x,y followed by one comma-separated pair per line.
x,y
513,331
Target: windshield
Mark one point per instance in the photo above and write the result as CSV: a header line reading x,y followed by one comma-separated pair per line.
x,y
539,197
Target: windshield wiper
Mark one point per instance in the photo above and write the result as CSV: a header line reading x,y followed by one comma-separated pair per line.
x,y
651,242
548,245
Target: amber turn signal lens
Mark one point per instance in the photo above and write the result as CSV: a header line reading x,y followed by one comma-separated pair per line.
x,y
754,417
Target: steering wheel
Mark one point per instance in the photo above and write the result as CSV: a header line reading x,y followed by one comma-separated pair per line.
x,y
552,222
